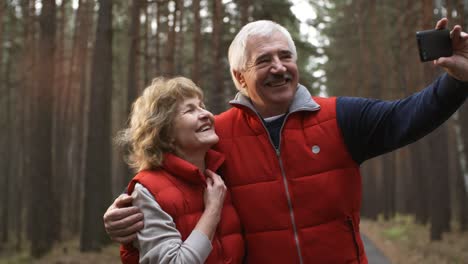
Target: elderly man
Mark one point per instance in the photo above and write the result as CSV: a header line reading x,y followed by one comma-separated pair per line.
x,y
292,160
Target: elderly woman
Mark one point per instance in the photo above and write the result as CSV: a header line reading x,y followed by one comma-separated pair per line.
x,y
188,219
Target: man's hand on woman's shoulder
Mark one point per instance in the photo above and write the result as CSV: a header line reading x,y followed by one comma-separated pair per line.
x,y
122,220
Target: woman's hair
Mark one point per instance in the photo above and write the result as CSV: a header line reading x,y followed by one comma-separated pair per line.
x,y
149,134
238,55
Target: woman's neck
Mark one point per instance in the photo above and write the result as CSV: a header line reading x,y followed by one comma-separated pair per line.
x,y
196,158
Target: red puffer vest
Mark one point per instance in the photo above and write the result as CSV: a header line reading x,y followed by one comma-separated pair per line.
x,y
299,204
178,188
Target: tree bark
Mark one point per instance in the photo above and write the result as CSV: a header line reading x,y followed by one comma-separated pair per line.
x,y
4,139
180,68
171,44
244,11
439,195
146,46
197,47
218,93
158,66
97,184
133,51
41,178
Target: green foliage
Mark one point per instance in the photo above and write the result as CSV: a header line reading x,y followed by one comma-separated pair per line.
x,y
400,229
396,233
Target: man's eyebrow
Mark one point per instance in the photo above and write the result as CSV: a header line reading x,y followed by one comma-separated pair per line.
x,y
262,56
285,52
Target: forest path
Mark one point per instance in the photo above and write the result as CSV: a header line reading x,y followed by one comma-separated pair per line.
x,y
374,255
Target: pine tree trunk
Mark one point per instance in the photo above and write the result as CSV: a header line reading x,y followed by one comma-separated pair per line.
x,y
97,184
146,47
439,196
41,178
74,114
4,140
197,47
133,50
180,68
217,95
244,11
158,67
171,44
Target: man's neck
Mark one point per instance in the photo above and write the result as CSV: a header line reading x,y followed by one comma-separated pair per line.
x,y
266,112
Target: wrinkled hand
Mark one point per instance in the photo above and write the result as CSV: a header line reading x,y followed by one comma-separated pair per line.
x,y
122,220
215,192
457,64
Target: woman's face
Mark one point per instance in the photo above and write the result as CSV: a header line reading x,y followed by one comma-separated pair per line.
x,y
193,127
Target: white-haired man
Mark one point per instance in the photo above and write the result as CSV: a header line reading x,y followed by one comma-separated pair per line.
x,y
292,160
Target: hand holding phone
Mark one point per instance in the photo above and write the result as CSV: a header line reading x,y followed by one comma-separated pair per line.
x,y
433,44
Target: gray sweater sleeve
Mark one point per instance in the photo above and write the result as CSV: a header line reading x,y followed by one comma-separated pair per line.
x,y
159,241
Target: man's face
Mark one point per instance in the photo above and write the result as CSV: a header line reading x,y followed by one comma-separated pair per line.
x,y
271,75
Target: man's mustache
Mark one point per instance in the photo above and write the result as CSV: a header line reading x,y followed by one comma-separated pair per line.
x,y
278,77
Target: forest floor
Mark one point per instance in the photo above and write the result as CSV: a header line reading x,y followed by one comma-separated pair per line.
x,y
400,240
67,253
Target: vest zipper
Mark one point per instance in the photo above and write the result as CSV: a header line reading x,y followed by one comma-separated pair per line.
x,y
350,222
283,174
286,186
291,212
285,182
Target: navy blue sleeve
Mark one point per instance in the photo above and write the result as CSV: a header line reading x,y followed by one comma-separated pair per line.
x,y
373,127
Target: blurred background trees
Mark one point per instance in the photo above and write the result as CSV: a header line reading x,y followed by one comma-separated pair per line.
x,y
69,71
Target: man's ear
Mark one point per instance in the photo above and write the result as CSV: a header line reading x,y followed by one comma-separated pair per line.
x,y
239,77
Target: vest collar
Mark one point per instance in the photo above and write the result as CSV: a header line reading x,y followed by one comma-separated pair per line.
x,y
302,101
186,171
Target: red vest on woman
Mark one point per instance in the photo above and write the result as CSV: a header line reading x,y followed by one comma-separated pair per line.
x,y
178,188
298,204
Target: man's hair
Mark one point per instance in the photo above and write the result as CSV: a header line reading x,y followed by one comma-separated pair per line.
x,y
237,54
149,134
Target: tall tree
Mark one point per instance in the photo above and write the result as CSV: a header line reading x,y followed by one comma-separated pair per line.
x,y
133,51
4,138
75,92
97,186
217,101
159,29
146,45
59,167
244,11
197,47
23,121
462,9
180,68
439,198
41,159
169,55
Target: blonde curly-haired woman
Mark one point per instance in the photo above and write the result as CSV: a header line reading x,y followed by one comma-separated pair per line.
x,y
189,217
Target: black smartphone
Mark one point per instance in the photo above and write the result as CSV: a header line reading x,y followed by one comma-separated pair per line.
x,y
433,44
